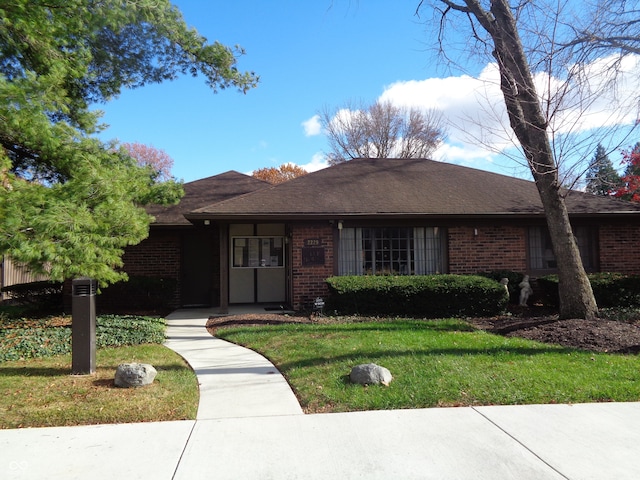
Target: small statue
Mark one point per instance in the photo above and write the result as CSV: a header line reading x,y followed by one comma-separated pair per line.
x,y
525,291
505,281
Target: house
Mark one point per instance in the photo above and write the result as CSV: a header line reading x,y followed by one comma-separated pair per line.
x,y
236,240
183,252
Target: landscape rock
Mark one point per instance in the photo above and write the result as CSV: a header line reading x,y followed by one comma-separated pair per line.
x,y
134,375
370,374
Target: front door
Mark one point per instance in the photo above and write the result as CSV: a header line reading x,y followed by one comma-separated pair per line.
x,y
197,269
257,263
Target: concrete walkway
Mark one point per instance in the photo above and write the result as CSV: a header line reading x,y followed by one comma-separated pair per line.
x,y
234,381
249,426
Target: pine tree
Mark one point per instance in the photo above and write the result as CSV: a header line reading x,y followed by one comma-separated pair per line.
x,y
602,177
70,203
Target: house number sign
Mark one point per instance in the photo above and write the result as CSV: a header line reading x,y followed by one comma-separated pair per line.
x,y
312,252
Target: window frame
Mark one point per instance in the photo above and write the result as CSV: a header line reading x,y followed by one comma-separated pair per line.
x,y
586,236
392,250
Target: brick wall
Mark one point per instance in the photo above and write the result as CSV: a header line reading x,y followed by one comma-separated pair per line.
x,y
619,249
308,281
505,248
493,248
157,256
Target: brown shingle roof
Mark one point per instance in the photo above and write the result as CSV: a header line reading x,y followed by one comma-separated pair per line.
x,y
203,192
401,187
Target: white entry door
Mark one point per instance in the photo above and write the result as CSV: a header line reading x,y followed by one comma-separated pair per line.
x,y
257,263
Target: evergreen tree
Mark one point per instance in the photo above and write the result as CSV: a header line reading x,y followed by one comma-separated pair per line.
x,y
69,203
602,177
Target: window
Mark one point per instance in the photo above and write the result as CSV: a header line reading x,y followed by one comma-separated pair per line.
x,y
254,252
541,256
394,251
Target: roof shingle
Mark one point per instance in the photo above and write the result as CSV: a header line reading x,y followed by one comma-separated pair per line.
x,y
402,187
206,191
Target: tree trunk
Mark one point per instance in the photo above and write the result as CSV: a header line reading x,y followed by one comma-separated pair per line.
x,y
576,295
529,124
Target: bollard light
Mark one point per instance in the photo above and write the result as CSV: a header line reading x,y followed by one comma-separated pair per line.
x,y
83,326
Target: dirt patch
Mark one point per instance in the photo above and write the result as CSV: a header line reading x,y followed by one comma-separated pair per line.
x,y
595,335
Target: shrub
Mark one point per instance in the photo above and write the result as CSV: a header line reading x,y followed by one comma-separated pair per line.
x,y
141,293
430,296
43,296
548,287
35,340
609,289
118,330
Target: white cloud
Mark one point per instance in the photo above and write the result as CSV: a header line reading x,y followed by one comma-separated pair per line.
x,y
312,126
478,126
318,162
473,107
608,98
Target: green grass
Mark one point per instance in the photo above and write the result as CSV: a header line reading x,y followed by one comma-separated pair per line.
x,y
38,390
435,363
42,392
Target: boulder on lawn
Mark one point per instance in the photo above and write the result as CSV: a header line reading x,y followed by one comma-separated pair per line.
x,y
370,374
134,375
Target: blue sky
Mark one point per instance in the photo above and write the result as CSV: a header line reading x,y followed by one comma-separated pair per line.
x,y
309,55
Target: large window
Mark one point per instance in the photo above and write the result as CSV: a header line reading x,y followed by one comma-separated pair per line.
x,y
541,256
394,251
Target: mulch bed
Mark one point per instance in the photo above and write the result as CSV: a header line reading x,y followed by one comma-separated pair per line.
x,y
595,335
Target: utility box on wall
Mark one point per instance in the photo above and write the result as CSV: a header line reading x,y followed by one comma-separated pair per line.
x,y
83,326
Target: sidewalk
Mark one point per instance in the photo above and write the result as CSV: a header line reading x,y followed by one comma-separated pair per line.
x,y
249,426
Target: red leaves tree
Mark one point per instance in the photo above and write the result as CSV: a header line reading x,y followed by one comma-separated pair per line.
x,y
287,171
630,189
146,155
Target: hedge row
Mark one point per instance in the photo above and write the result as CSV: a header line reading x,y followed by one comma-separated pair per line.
x,y
610,289
138,292
141,293
426,296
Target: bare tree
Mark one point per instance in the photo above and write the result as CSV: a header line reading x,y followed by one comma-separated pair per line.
x,y
587,91
499,28
381,130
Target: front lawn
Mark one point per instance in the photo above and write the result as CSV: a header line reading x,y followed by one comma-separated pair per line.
x,y
434,363
38,390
